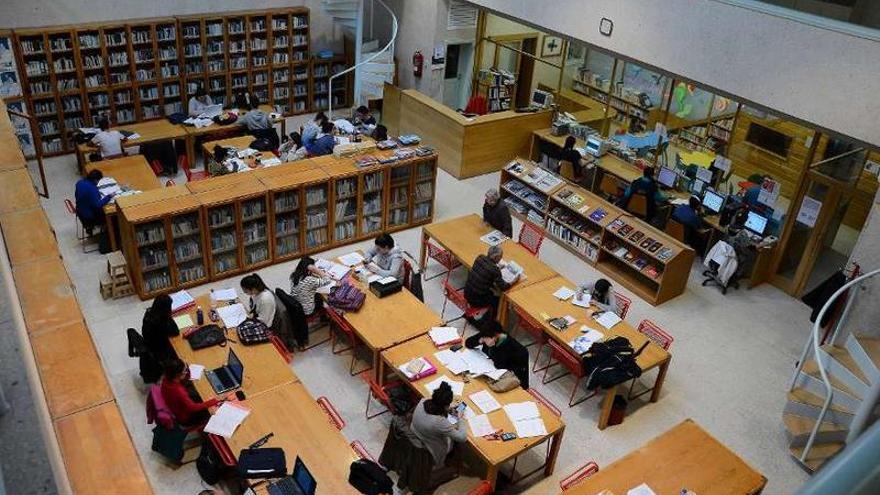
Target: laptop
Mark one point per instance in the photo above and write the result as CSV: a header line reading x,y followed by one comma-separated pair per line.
x,y
227,377
756,223
211,111
300,482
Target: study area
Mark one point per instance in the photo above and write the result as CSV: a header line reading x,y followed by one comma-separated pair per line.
x,y
441,247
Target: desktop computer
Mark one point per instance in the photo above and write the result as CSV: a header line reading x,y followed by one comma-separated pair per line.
x,y
713,202
756,223
667,177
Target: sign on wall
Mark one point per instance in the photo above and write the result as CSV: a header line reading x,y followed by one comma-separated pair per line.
x,y
9,81
769,192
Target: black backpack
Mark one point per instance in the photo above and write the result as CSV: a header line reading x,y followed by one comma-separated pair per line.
x,y
369,478
206,336
611,363
208,464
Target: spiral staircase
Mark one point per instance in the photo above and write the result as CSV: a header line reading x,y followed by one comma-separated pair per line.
x,y
374,62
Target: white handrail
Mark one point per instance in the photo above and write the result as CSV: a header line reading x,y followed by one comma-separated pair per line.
x,y
362,62
861,418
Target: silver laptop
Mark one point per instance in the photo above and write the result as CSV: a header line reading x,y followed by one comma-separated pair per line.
x,y
228,377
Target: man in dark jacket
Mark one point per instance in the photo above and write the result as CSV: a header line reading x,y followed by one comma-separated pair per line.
x,y
496,213
90,201
505,352
485,278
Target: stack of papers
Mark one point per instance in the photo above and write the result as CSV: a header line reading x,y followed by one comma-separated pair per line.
x,y
526,419
480,426
195,371
198,122
608,319
444,336
485,401
232,315
494,238
511,270
181,300
563,293
335,270
351,259
226,419
452,360
457,387
108,186
184,321
224,294
582,299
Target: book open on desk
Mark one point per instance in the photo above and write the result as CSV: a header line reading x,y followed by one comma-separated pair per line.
x,y
418,368
181,300
510,272
494,238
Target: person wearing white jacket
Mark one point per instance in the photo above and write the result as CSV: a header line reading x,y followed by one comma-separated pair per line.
x,y
723,254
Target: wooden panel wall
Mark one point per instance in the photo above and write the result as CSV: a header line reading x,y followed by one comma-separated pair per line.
x,y
866,190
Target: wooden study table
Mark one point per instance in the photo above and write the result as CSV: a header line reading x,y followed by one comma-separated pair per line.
x,y
149,132
493,452
240,143
538,298
686,456
217,131
302,429
131,171
264,367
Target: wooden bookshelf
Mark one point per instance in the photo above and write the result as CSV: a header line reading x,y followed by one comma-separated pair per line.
x,y
595,230
143,69
234,223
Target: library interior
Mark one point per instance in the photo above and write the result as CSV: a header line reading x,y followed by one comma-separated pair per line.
x,y
447,247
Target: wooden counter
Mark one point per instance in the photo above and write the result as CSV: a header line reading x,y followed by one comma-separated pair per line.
x,y
29,237
467,146
46,294
17,191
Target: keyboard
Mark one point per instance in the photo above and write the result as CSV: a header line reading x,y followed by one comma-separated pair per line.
x,y
284,486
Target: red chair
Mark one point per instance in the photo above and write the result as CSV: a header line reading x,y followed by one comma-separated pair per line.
x,y
443,257
286,355
407,273
658,336
536,332
579,475
572,363
361,451
624,303
458,299
380,393
170,183
156,165
334,417
81,235
545,401
482,488
531,237
191,175
337,320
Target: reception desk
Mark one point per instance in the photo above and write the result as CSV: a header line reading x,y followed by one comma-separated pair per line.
x,y
466,146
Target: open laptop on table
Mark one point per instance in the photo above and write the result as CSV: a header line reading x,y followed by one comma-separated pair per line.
x,y
300,482
227,377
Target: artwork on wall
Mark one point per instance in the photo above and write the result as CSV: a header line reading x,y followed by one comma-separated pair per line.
x,y
9,83
22,128
551,47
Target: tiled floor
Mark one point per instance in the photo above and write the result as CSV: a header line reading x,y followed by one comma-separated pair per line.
x,y
732,358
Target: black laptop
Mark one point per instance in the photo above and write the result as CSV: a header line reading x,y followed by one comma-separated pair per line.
x,y
227,377
300,482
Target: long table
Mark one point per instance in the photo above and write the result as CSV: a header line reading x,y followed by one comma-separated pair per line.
x,y
131,171
493,452
538,298
684,457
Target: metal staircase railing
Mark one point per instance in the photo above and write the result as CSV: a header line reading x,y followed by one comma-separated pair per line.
x,y
864,411
388,47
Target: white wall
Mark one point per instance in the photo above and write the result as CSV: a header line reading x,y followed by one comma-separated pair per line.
x,y
865,312
37,13
817,75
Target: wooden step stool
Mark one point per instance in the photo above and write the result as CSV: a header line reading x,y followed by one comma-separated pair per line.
x,y
120,283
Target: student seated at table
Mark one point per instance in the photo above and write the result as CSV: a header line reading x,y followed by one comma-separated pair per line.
x,y
262,301
174,387
363,117
384,258
485,279
109,142
292,149
496,213
573,156
647,186
505,351
258,123
690,216
602,296
430,425
304,283
198,103
158,326
380,133
312,128
89,200
324,143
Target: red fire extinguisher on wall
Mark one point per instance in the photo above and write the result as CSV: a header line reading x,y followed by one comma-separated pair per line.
x,y
418,61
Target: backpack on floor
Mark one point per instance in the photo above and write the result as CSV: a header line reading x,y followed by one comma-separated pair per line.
x,y
346,297
369,478
208,464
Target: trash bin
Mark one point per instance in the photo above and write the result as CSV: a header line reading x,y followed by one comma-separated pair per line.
x,y
618,411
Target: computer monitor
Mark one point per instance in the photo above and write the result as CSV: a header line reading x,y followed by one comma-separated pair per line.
x,y
235,366
667,177
713,201
541,99
697,187
704,174
304,478
756,223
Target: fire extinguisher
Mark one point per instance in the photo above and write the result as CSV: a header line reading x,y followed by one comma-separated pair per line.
x,y
418,61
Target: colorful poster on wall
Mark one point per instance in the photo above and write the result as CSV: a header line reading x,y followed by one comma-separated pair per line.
x,y
22,128
809,211
9,82
769,192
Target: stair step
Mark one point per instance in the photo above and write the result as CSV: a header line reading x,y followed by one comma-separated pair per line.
x,y
819,454
842,356
871,347
369,46
812,369
799,429
804,396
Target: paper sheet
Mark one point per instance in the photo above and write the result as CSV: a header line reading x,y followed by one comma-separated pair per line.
x,y
608,319
452,360
387,280
495,374
335,270
480,425
232,315
270,162
184,321
326,288
581,299
457,387
181,299
518,411
224,294
477,362
563,293
133,136
444,335
642,489
227,419
591,334
373,278
351,259
494,238
485,401
196,371
530,428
